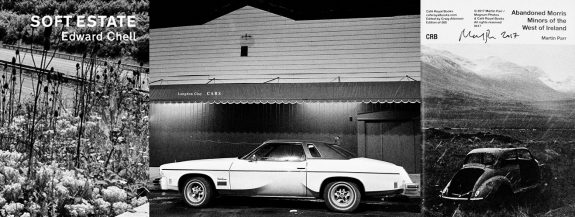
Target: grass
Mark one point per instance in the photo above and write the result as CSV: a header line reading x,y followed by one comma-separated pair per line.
x,y
467,112
445,150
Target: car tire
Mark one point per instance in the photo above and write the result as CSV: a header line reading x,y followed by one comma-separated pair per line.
x,y
502,198
342,196
198,192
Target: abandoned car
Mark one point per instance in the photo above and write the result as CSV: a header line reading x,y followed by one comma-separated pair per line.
x,y
495,175
288,168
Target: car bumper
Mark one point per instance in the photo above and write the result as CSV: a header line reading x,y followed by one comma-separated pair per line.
x,y
394,192
412,191
162,183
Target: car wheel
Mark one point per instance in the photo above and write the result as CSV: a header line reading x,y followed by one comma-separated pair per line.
x,y
502,198
198,192
342,196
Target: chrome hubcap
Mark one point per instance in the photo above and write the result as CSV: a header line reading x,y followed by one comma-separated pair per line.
x,y
196,192
342,195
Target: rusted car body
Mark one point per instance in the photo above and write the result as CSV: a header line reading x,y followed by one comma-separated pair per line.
x,y
494,174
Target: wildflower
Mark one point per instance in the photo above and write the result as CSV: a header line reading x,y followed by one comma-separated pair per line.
x,y
34,208
114,194
83,209
138,201
101,206
120,207
11,175
13,208
61,191
13,192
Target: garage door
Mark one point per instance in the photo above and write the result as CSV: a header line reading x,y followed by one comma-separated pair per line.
x,y
391,141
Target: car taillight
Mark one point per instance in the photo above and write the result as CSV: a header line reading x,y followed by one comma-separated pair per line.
x,y
412,186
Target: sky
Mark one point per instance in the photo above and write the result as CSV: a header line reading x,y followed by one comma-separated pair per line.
x,y
557,61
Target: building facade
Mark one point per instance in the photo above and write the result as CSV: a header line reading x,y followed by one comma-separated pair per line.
x,y
221,88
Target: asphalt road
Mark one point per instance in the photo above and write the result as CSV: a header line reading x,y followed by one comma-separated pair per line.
x,y
65,66
170,203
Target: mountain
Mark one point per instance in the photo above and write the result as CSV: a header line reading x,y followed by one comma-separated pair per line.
x,y
490,78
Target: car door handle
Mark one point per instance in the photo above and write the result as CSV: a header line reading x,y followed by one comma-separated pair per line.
x,y
301,168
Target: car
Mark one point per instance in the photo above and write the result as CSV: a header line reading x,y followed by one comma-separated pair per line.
x,y
495,176
289,169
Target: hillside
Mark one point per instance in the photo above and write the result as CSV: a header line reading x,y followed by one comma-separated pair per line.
x,y
489,93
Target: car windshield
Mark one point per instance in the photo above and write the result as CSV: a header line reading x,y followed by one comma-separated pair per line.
x,y
278,152
480,158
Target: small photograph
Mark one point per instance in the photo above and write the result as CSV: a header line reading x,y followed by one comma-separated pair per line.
x,y
73,111
276,108
499,126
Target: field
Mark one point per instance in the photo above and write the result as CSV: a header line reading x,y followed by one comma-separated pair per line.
x,y
458,123
446,149
462,111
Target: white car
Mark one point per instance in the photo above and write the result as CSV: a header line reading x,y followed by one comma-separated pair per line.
x,y
288,168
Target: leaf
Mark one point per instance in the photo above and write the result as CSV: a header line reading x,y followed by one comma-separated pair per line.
x,y
122,172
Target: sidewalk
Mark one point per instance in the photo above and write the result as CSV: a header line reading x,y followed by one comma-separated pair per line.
x,y
141,211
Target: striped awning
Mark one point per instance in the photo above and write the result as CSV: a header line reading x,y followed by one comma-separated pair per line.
x,y
382,92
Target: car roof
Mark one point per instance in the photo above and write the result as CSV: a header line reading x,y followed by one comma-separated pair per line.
x,y
296,141
495,151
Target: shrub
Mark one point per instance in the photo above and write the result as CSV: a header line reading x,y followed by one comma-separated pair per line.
x,y
114,194
120,207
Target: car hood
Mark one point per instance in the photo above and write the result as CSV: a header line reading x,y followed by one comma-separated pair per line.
x,y
204,164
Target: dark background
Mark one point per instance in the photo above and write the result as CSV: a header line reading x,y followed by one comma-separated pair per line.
x,y
184,131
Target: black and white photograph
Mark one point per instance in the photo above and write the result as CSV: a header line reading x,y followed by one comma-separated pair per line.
x,y
499,123
285,108
73,111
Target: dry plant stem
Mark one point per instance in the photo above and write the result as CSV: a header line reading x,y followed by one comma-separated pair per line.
x,y
34,110
21,80
84,97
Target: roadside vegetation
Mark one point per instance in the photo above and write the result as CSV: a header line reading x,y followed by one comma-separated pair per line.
x,y
71,145
15,20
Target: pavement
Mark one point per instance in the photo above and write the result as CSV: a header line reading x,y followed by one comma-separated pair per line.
x,y
170,203
65,66
61,65
141,211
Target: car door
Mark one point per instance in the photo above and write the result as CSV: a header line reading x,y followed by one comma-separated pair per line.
x,y
510,168
530,173
274,169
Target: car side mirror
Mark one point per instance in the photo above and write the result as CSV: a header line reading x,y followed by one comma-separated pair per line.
x,y
253,158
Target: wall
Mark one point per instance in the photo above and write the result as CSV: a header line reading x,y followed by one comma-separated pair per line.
x,y
361,49
187,131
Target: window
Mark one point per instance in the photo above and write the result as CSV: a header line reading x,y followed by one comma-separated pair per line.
x,y
342,151
313,150
509,158
331,151
280,152
524,155
244,51
480,158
